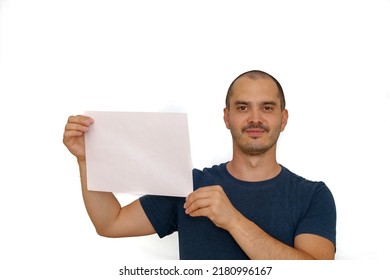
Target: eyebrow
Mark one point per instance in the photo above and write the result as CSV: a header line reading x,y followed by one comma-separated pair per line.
x,y
269,103
241,102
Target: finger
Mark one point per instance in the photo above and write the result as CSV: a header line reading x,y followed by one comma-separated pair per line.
x,y
80,119
202,192
72,133
76,127
202,212
197,204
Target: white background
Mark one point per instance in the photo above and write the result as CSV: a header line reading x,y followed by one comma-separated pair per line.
x,y
59,58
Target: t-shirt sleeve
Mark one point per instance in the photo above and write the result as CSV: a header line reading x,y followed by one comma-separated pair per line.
x,y
162,212
320,218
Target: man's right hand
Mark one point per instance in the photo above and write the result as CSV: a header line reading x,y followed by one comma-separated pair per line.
x,y
74,135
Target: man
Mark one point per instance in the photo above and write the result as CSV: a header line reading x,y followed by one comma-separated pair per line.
x,y
248,208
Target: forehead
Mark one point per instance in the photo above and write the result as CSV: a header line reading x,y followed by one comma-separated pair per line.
x,y
257,90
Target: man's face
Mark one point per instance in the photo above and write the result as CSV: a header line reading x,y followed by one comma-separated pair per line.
x,y
255,117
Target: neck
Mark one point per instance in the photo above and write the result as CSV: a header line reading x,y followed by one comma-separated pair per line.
x,y
253,168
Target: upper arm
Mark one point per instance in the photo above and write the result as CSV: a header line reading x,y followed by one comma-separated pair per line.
x,y
131,221
320,248
316,232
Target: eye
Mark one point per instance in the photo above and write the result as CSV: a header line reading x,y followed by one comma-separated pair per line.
x,y
242,108
268,108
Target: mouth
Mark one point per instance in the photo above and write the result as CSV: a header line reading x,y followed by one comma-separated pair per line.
x,y
254,132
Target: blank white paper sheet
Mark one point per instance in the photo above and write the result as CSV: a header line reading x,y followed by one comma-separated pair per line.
x,y
139,153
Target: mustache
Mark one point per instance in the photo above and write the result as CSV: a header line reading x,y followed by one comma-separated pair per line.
x,y
255,126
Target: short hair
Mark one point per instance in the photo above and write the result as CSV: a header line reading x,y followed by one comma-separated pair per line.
x,y
254,75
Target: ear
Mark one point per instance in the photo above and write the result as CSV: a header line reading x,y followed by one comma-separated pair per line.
x,y
226,117
284,119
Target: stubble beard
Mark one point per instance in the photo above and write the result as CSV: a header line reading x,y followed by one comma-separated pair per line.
x,y
254,146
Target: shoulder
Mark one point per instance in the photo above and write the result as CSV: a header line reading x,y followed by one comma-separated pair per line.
x,y
210,170
305,186
315,204
299,181
209,175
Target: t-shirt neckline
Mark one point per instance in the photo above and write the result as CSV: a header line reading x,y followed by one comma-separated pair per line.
x,y
273,180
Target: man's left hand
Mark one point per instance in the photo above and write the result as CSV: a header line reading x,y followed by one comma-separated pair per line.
x,y
212,202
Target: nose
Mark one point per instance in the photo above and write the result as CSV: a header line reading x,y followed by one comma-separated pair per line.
x,y
255,116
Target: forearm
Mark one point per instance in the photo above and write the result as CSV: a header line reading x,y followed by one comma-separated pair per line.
x,y
257,244
102,207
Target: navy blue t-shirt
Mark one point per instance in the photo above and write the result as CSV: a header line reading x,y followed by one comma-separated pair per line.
x,y
284,207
